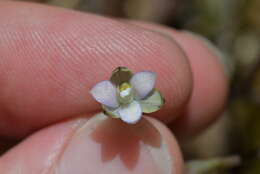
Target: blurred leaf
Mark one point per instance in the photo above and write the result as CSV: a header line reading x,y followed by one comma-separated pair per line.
x,y
212,165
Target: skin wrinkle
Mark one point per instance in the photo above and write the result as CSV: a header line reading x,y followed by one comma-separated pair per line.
x,y
103,48
115,44
64,45
8,75
7,117
120,43
50,68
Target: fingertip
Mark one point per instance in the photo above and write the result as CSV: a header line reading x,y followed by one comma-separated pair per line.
x,y
97,145
116,147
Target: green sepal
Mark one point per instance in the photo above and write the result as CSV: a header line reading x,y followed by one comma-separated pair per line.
x,y
121,75
153,102
110,112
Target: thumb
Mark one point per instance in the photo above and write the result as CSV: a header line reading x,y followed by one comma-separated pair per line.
x,y
96,145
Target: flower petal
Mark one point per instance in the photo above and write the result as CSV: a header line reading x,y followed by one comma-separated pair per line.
x,y
152,103
121,75
143,83
131,113
105,93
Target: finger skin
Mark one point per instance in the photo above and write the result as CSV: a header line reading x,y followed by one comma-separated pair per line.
x,y
81,146
38,153
210,87
51,58
210,83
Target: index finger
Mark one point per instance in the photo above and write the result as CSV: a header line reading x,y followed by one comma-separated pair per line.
x,y
51,57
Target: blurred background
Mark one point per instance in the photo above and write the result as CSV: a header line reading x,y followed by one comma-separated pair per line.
x,y
232,145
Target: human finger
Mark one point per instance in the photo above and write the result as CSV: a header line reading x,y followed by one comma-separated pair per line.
x,y
97,145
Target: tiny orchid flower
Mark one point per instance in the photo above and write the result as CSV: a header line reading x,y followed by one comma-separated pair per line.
x,y
127,95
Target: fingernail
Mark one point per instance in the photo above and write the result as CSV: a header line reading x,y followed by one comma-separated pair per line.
x,y
227,63
106,145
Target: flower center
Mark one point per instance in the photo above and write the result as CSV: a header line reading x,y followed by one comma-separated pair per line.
x,y
125,93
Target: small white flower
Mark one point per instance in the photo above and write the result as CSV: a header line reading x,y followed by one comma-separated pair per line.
x,y
127,95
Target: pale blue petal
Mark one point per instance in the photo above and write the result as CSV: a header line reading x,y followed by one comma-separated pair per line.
x,y
130,113
105,93
143,83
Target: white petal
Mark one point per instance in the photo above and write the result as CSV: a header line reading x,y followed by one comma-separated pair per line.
x,y
105,93
143,83
131,113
